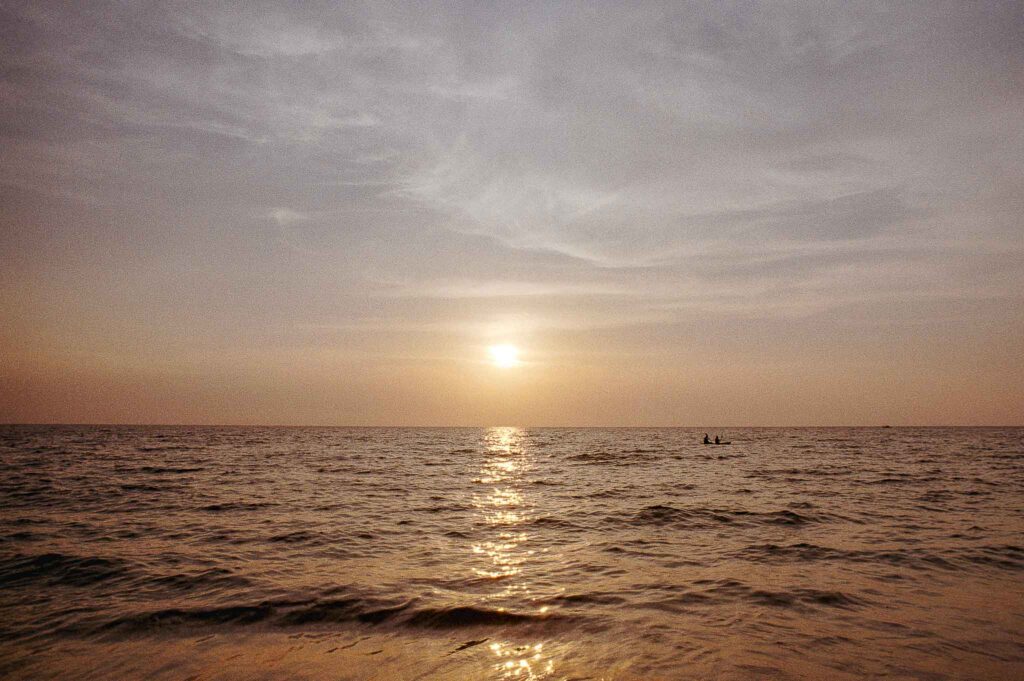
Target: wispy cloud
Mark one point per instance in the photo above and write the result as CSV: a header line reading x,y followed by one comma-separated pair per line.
x,y
584,166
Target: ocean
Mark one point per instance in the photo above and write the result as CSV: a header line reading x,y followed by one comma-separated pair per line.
x,y
505,553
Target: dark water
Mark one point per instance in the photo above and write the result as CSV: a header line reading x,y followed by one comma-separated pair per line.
x,y
178,552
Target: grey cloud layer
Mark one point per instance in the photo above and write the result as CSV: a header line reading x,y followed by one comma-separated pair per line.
x,y
783,157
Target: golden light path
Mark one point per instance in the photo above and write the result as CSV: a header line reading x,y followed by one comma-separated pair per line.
x,y
504,507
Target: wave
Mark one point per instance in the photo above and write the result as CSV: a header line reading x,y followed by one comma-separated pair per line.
x,y
595,457
444,508
327,611
669,515
591,598
57,569
342,610
159,470
176,617
553,523
51,570
129,488
472,616
214,578
732,589
706,593
625,457
616,493
20,536
236,506
1007,557
299,537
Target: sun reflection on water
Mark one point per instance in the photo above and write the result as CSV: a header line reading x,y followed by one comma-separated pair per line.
x,y
522,661
505,507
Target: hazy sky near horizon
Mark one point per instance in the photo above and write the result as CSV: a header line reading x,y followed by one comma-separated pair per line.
x,y
683,213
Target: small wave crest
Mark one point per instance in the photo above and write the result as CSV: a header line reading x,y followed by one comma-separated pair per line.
x,y
671,515
328,611
731,589
1005,557
236,506
57,569
177,470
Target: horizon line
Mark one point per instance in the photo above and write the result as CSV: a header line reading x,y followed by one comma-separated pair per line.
x,y
467,427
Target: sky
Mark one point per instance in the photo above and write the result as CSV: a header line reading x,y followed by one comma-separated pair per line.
x,y
721,213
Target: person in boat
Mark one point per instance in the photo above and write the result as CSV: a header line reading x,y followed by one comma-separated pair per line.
x,y
707,440
717,441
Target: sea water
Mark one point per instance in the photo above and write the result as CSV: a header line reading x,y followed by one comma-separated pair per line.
x,y
508,553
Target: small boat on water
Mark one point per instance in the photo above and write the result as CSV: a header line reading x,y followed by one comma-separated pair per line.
x,y
719,443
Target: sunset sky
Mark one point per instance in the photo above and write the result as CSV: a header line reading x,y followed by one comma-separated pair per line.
x,y
682,214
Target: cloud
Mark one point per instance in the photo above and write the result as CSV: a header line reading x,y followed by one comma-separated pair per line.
x,y
286,216
684,154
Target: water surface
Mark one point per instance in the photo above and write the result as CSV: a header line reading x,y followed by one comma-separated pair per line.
x,y
504,553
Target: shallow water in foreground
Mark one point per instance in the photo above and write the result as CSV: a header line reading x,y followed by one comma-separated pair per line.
x,y
352,553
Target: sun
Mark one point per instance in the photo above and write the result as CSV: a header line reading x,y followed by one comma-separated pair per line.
x,y
504,356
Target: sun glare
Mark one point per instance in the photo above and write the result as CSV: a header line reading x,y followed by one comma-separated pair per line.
x,y
504,356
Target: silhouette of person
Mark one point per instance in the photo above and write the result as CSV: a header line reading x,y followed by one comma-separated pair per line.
x,y
717,441
707,440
